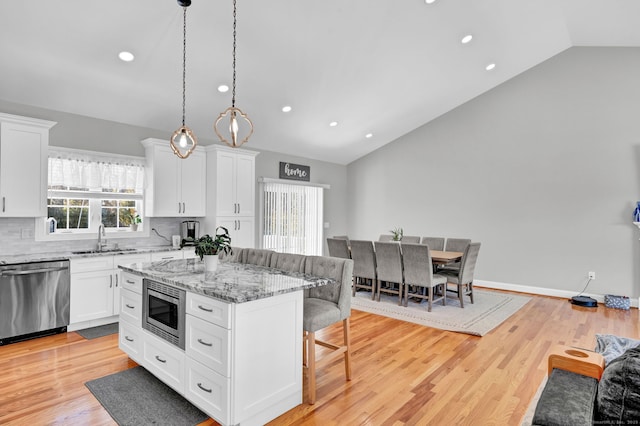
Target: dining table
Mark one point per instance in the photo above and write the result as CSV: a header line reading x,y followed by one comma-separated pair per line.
x,y
440,257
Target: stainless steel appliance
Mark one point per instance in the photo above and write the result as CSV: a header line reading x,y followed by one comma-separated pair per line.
x,y
190,232
163,311
34,300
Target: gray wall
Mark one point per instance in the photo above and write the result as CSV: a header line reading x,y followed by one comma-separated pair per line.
x,y
543,170
80,132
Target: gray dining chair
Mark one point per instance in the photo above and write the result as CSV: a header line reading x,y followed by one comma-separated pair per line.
x,y
287,262
416,260
389,267
434,243
364,266
410,239
260,257
324,306
338,248
463,278
385,237
455,244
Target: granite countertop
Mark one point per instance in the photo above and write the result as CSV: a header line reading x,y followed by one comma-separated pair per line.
x,y
231,282
62,255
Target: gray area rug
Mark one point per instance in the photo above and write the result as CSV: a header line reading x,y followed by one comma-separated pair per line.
x,y
99,331
489,310
135,397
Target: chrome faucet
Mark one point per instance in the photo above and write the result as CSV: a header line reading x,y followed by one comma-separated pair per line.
x,y
101,234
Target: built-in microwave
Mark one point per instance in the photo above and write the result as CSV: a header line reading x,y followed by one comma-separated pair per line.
x,y
163,311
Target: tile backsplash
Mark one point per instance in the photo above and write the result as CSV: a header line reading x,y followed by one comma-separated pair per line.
x,y
11,241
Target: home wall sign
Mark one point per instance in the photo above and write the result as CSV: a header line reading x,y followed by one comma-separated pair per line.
x,y
295,172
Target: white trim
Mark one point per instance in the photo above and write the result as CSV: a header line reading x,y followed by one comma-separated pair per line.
x,y
29,121
293,182
543,291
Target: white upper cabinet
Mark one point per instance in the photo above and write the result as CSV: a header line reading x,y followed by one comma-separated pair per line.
x,y
234,181
174,187
23,166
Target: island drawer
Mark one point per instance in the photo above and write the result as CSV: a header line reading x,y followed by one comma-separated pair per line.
x,y
208,343
164,361
208,390
209,309
132,282
131,307
130,340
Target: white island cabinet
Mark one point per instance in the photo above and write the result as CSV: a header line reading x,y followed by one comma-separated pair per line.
x,y
23,166
242,361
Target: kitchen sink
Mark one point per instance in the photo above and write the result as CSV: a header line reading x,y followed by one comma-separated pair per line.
x,y
112,250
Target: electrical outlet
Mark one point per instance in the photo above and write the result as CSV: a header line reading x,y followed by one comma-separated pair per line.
x,y
592,275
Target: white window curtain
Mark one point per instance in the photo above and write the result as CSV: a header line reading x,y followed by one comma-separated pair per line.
x,y
95,171
292,218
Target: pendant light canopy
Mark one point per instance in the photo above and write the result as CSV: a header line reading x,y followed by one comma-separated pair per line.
x,y
239,122
183,141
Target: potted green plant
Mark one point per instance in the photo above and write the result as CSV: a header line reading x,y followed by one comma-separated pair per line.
x,y
133,219
208,247
397,234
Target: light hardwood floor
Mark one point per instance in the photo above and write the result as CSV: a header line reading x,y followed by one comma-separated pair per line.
x,y
403,374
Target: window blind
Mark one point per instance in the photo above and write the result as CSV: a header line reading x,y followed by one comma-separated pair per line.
x,y
292,218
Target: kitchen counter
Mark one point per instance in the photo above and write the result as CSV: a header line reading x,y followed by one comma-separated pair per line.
x,y
52,256
231,282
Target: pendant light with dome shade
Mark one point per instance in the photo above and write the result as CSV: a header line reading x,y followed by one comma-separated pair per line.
x,y
232,112
183,140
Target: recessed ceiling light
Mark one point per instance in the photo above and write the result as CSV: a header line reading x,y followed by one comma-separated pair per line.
x,y
223,88
490,67
333,124
429,1
368,135
466,39
286,108
126,56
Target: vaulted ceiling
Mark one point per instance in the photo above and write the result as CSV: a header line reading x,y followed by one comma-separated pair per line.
x,y
373,66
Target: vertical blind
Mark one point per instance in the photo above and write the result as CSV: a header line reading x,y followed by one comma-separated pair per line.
x,y
292,218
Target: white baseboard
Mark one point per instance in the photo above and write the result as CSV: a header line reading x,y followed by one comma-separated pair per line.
x,y
92,323
543,291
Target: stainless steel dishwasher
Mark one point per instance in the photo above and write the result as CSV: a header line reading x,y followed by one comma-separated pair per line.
x,y
34,299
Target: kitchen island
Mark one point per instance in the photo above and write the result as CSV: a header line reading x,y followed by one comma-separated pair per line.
x,y
242,356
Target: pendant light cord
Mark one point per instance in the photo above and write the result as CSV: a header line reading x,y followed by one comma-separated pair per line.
x,y
233,92
184,62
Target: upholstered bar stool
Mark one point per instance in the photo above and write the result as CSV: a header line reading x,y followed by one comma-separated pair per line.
x,y
324,306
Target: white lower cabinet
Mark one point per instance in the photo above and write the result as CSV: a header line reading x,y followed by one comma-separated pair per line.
x,y
164,360
95,285
208,390
130,340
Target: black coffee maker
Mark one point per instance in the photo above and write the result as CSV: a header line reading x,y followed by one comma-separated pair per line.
x,y
190,232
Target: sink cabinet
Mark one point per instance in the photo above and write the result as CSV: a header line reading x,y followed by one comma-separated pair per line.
x,y
95,285
23,166
175,187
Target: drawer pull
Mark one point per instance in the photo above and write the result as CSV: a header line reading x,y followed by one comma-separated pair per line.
x,y
205,309
204,343
203,388
128,339
160,359
130,282
129,306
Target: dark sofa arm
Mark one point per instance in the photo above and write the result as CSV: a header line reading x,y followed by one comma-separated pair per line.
x,y
567,399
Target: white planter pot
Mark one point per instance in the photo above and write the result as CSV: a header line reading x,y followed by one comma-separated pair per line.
x,y
134,227
210,262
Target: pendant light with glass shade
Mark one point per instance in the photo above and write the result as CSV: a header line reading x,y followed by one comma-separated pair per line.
x,y
234,113
183,140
